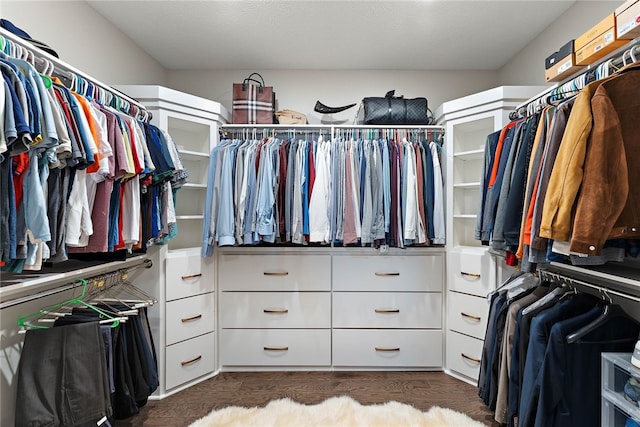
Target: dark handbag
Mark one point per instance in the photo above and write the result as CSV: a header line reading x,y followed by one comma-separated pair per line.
x,y
253,102
396,110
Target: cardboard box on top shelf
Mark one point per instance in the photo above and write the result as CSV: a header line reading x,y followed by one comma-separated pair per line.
x,y
598,41
561,64
628,19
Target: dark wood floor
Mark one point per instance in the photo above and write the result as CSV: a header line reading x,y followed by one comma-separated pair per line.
x,y
419,389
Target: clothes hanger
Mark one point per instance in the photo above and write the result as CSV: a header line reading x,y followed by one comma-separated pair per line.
x,y
610,311
64,308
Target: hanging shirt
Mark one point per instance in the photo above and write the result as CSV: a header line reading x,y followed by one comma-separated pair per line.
x,y
438,197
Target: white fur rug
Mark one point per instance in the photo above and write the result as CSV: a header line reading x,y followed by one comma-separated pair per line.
x,y
336,411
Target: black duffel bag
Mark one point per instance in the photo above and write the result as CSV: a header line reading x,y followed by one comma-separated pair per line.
x,y
396,110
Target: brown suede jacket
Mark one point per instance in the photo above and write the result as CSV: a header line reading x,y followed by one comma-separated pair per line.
x,y
608,205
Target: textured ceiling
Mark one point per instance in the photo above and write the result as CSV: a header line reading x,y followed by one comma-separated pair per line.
x,y
345,35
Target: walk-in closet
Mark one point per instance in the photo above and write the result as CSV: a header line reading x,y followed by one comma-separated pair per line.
x,y
293,213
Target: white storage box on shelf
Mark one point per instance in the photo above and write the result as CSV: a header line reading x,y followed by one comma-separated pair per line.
x,y
616,370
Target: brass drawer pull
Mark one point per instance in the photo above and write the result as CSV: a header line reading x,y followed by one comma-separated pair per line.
x,y
276,348
283,311
474,275
191,276
473,359
387,349
276,273
470,316
386,274
188,362
191,319
382,310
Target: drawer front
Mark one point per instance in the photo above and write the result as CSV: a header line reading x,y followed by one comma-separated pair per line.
x,y
184,276
274,272
388,273
464,354
471,270
387,348
189,317
387,310
189,360
275,347
275,310
467,314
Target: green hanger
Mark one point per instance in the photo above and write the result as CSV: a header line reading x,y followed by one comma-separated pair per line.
x,y
47,80
23,322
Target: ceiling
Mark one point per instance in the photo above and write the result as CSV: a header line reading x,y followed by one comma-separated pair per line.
x,y
342,35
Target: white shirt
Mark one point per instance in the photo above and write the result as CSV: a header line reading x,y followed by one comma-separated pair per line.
x,y
438,199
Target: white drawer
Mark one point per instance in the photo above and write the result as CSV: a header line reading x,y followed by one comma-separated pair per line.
x,y
388,273
471,270
467,314
387,348
189,360
275,347
184,275
275,310
387,310
274,272
190,317
464,354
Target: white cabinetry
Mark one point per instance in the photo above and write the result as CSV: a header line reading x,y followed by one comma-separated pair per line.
x,y
184,320
275,309
471,271
317,308
387,310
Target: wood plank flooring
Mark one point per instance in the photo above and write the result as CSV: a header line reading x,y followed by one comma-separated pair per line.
x,y
419,389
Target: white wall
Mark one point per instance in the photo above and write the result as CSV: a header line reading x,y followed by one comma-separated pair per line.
x,y
85,40
299,90
527,67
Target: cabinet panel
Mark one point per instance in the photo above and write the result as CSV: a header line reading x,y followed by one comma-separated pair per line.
x,y
275,310
471,271
274,272
388,273
184,275
464,354
188,360
387,348
190,317
387,310
467,314
275,347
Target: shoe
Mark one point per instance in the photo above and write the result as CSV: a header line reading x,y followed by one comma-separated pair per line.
x,y
632,390
321,108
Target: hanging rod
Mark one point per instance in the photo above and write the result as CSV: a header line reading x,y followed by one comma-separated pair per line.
x,y
49,283
574,282
61,65
308,127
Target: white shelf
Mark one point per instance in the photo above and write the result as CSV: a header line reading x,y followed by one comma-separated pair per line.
x,y
467,185
465,216
470,154
190,185
193,155
189,217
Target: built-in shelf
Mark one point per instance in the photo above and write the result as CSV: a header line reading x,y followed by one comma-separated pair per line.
x,y
194,186
465,216
189,154
189,217
470,155
467,185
